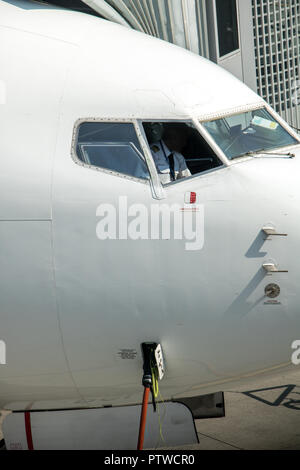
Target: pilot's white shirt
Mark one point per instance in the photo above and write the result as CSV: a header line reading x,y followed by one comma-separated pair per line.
x,y
160,154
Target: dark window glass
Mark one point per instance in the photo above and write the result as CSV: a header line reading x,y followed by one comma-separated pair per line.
x,y
191,150
248,133
113,146
227,26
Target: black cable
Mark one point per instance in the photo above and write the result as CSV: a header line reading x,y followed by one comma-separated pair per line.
x,y
295,128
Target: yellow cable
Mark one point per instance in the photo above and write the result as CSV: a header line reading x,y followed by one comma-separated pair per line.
x,y
156,392
160,422
154,381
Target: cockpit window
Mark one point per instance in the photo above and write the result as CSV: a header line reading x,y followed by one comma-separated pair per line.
x,y
248,132
112,146
178,150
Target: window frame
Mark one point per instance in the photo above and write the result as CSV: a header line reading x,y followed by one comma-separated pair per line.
x,y
157,188
245,109
80,162
131,145
204,134
217,36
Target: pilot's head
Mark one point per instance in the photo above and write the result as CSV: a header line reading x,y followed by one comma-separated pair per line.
x,y
176,136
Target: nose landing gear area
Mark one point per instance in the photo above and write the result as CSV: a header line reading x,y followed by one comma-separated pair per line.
x,y
96,429
265,416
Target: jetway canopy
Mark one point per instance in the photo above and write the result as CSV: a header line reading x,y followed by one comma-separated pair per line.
x,y
182,22
208,28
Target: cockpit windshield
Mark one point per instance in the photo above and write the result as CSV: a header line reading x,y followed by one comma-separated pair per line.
x,y
248,132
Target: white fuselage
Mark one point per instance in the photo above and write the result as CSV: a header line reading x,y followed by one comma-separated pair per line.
x,y
71,304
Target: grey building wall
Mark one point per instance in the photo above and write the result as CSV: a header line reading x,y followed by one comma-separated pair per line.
x,y
268,56
240,61
276,30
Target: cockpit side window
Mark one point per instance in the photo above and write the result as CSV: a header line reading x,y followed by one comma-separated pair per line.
x,y
111,146
179,150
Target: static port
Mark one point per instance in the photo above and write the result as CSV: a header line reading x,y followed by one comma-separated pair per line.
x,y
272,290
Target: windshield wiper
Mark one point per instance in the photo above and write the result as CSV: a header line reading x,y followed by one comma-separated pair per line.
x,y
262,151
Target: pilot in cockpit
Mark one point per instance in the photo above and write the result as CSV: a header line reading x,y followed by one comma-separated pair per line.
x,y
169,161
